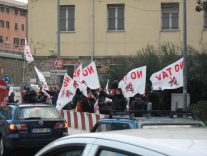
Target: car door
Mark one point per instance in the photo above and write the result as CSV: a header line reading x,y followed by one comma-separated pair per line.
x,y
5,114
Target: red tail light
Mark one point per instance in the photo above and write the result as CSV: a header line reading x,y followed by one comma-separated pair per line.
x,y
61,125
14,127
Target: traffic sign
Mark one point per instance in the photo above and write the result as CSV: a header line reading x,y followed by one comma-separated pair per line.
x,y
58,72
7,79
57,63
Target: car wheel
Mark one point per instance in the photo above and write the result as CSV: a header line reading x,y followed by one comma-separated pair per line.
x,y
3,150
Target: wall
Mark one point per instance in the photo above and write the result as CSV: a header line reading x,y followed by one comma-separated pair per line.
x,y
142,27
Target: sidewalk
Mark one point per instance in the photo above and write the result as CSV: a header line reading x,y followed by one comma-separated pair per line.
x,y
72,131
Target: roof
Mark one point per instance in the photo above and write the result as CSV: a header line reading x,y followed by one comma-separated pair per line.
x,y
168,140
14,3
30,104
168,121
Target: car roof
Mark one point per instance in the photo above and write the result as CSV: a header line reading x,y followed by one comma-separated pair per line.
x,y
116,119
30,104
166,141
168,120
154,120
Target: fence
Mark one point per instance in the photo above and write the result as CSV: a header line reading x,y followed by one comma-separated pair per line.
x,y
81,120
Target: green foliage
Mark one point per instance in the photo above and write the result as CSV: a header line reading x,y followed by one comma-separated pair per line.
x,y
200,110
157,58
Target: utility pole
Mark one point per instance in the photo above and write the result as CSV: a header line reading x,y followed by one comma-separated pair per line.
x,y
91,31
58,28
58,36
184,57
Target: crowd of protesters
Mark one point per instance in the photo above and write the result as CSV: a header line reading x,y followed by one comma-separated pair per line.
x,y
100,100
106,102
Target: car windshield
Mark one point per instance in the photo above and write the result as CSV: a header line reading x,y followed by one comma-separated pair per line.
x,y
38,113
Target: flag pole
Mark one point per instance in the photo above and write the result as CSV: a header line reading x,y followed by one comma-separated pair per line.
x,y
24,67
184,57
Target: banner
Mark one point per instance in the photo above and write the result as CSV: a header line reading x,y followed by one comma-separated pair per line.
x,y
171,77
89,76
134,82
3,93
27,53
66,93
77,75
42,79
107,91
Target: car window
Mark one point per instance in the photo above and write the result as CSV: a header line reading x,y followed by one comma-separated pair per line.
x,y
119,126
110,153
38,112
6,113
104,151
103,127
71,150
76,152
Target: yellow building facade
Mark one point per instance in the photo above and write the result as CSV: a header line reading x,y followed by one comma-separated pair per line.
x,y
104,28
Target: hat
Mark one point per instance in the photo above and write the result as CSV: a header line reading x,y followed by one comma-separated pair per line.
x,y
114,84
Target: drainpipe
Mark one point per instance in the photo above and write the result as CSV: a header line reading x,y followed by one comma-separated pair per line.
x,y
58,28
91,30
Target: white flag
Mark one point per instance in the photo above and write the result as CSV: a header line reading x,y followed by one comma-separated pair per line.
x,y
66,93
107,91
171,77
27,53
77,76
89,76
134,82
42,79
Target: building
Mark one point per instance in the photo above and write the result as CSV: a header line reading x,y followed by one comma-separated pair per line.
x,y
13,30
105,29
13,25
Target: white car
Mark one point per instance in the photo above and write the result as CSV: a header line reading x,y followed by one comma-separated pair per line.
x,y
133,142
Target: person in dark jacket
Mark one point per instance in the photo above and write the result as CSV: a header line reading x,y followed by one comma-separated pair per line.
x,y
78,95
119,102
137,104
11,98
103,104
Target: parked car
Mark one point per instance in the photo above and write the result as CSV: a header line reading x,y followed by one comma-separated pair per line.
x,y
29,126
151,119
136,142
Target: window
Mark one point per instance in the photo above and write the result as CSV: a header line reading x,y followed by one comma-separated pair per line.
x,y
115,17
205,15
42,112
16,26
22,42
16,11
1,39
111,153
68,150
67,18
7,10
7,40
22,12
6,112
1,24
22,27
7,24
1,8
16,41
170,16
